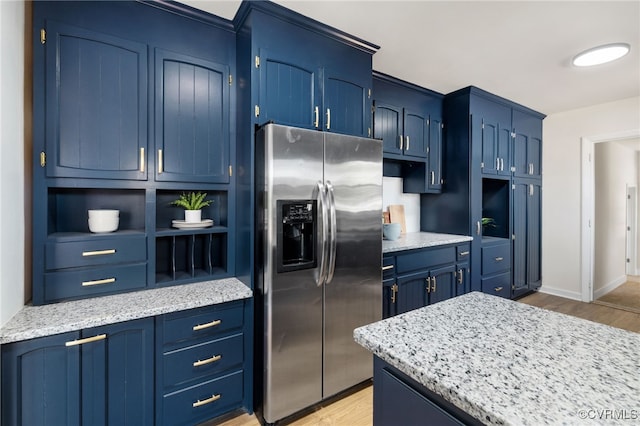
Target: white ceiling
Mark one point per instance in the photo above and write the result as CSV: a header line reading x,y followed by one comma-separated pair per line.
x,y
520,50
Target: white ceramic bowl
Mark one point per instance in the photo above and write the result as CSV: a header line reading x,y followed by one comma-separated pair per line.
x,y
391,231
103,220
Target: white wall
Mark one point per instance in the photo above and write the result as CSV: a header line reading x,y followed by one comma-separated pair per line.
x,y
615,170
561,180
392,194
12,182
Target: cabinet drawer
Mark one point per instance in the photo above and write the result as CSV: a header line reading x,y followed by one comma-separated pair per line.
x,y
388,266
463,252
96,251
94,281
204,401
424,259
496,258
499,285
201,360
204,322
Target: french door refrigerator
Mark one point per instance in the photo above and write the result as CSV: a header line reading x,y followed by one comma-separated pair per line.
x,y
318,277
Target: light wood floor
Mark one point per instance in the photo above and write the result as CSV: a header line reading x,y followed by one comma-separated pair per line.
x,y
357,408
625,296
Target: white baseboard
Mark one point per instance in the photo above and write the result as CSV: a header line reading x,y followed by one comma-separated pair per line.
x,y
609,287
573,295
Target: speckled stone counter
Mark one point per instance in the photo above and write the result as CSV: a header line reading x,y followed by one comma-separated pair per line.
x,y
414,240
46,320
505,362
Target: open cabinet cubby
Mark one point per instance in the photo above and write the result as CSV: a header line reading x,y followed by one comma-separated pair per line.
x,y
495,205
67,213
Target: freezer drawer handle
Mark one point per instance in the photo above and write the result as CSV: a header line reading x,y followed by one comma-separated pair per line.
x,y
207,325
202,402
98,252
199,362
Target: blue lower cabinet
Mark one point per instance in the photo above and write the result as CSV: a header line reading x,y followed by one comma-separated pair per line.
x,y
100,376
200,364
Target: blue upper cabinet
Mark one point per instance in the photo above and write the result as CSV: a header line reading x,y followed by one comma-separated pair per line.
x,y
96,105
527,145
192,119
434,150
495,136
289,90
416,133
388,127
302,73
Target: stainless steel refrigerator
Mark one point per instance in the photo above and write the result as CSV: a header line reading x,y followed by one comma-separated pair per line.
x,y
319,204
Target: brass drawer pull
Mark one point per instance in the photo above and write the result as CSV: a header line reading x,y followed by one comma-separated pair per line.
x,y
498,289
499,259
98,252
464,253
213,398
215,358
207,325
86,340
98,282
386,268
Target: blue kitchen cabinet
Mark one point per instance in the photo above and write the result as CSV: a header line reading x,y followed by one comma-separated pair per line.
x,y
304,74
201,364
408,119
98,376
192,120
482,159
420,277
527,145
96,104
526,235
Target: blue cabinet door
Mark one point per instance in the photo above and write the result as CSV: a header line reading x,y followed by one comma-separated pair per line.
x,y
41,382
412,291
463,279
118,374
527,145
289,91
192,119
495,136
442,284
96,105
534,235
346,103
416,133
389,298
526,213
388,127
434,154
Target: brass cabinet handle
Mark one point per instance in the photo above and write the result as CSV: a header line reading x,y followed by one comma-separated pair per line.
x,y
434,285
394,292
428,280
98,252
207,325
160,162
464,253
498,289
199,362
386,268
86,340
98,282
499,259
213,398
142,160
460,276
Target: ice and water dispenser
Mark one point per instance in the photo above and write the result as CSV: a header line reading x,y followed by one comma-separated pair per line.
x,y
297,220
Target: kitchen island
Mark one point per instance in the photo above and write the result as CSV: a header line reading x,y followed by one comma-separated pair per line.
x,y
481,358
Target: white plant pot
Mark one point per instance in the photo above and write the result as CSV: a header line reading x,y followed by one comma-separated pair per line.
x,y
193,216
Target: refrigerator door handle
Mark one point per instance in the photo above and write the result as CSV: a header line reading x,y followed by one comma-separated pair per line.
x,y
332,232
322,267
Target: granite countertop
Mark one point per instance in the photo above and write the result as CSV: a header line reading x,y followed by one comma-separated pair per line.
x,y
507,363
46,320
414,240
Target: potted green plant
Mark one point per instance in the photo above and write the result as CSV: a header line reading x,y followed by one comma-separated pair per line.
x,y
193,203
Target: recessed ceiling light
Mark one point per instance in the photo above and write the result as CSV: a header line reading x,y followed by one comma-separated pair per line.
x,y
601,54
